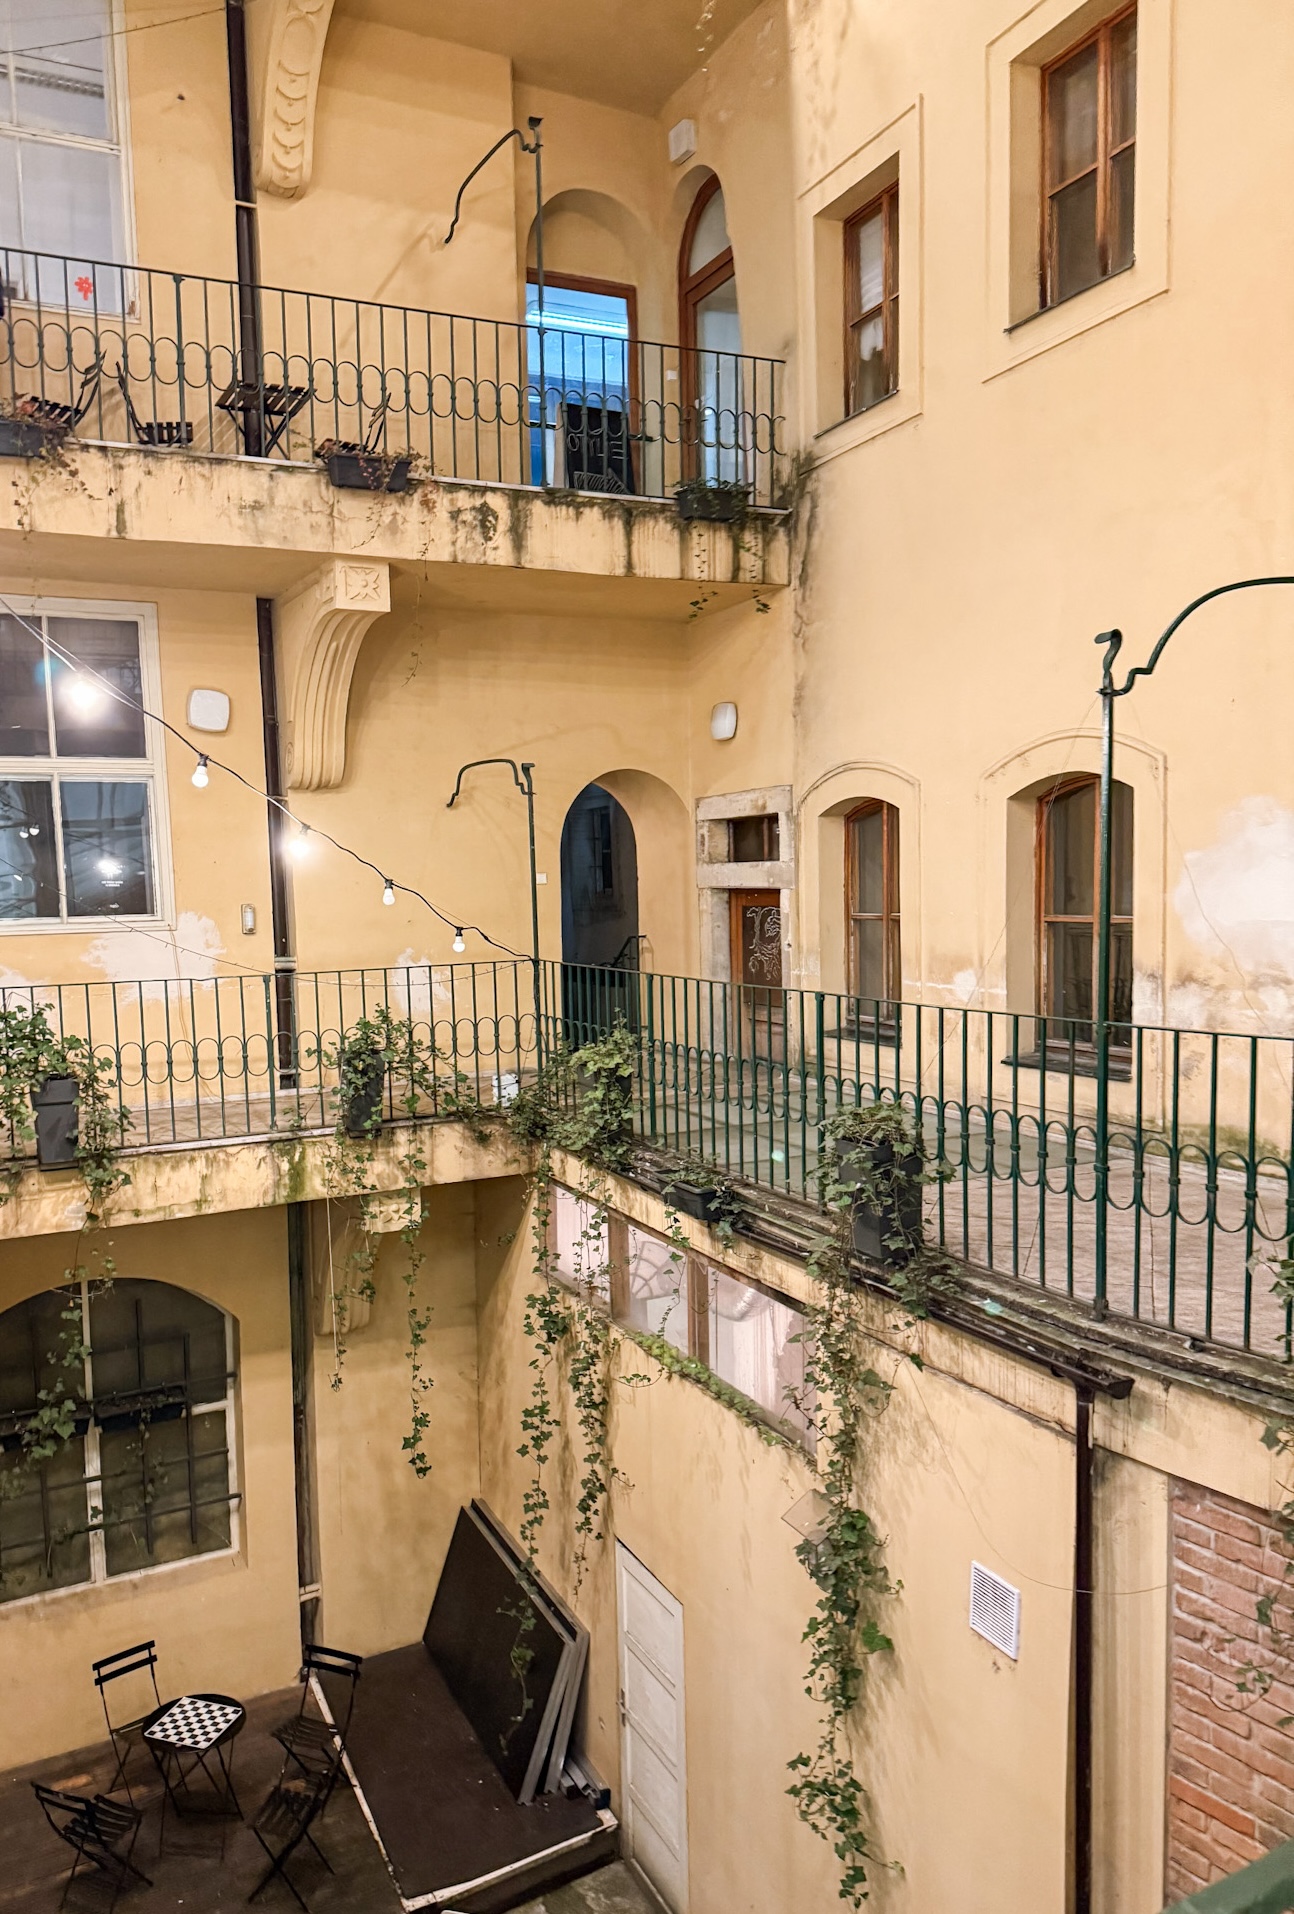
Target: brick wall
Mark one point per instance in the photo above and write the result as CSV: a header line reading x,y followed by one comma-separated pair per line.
x,y
1230,1767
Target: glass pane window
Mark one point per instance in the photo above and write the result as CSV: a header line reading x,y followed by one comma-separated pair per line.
x,y
1069,893
60,161
755,1347
872,903
872,302
710,235
74,844
1089,126
657,1300
580,1244
146,1477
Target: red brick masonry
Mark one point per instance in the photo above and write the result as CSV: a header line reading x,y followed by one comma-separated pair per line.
x,y
1230,1767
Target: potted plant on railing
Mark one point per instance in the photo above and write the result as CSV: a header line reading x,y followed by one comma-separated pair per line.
x,y
880,1162
26,432
362,1064
699,1188
366,467
53,1091
717,501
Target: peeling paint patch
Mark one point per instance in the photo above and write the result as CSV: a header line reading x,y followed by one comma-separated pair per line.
x,y
190,950
1235,898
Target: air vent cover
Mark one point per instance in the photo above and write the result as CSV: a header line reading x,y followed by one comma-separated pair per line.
x,y
995,1610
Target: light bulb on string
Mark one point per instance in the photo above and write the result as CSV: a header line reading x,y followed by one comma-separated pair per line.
x,y
200,776
388,891
299,846
459,945
83,694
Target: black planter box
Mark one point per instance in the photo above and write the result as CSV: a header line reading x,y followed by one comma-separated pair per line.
x,y
57,1121
22,439
352,469
715,506
700,1200
900,1216
363,1107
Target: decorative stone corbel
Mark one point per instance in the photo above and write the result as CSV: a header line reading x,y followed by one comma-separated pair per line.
x,y
321,628
286,149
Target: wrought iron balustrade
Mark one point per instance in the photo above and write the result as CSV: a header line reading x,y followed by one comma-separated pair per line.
x,y
131,355
1200,1206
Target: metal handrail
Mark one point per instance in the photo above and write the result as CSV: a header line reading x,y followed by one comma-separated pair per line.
x,y
465,397
1198,1208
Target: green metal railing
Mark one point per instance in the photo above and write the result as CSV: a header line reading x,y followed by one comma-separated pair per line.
x,y
1199,1198
1266,1886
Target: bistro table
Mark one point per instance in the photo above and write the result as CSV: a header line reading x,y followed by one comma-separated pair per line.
x,y
197,1727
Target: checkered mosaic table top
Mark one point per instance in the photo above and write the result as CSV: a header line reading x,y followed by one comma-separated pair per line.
x,y
194,1722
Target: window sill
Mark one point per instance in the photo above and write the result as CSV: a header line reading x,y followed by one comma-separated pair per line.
x,y
842,435
1057,305
1080,1061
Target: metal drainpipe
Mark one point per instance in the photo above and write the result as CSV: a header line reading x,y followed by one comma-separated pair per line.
x,y
248,243
1084,1617
302,1332
280,875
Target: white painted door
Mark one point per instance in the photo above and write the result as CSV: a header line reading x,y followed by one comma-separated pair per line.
x,y
653,1764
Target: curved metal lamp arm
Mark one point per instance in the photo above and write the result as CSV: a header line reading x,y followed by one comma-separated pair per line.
x,y
1113,640
523,785
513,133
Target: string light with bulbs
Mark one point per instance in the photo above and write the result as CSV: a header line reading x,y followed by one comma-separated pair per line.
x,y
86,690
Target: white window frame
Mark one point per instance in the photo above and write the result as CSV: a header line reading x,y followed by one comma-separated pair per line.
x,y
149,770
99,1576
116,75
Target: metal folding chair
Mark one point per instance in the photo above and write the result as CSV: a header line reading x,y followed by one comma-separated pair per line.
x,y
140,1659
308,1741
153,431
57,415
101,1832
283,1821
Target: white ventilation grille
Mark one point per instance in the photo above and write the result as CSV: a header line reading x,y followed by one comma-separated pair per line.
x,y
995,1610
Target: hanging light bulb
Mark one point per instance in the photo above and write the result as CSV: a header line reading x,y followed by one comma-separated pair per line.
x,y
83,694
459,945
200,777
388,891
299,845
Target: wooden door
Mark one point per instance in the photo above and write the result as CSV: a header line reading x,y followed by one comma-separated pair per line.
x,y
653,1803
756,932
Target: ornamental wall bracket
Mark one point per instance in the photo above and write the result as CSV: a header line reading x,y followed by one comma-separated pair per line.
x,y
285,152
321,626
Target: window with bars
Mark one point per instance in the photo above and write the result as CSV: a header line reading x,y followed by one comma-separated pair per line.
x,y
77,772
872,302
744,1334
146,1475
1089,101
1068,895
60,149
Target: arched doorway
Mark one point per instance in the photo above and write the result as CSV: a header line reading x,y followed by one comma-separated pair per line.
x,y
599,915
710,333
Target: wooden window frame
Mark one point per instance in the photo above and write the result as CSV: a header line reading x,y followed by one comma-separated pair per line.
x,y
1101,36
889,916
693,287
886,202
1044,918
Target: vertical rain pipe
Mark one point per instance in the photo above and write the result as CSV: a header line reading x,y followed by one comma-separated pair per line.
x,y
280,886
245,232
1084,1642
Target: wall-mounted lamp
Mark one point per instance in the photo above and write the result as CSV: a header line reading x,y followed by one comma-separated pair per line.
x,y
723,723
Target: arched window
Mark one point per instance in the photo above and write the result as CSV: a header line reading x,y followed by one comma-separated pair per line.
x,y
710,333
1068,894
872,906
137,1470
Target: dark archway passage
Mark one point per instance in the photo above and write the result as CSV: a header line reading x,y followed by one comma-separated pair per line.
x,y
599,915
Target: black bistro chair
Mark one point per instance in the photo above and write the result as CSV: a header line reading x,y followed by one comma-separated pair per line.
x,y
158,432
308,1741
139,1660
102,1834
284,1820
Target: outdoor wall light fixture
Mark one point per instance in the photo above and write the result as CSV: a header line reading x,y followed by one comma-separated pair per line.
x,y
723,723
